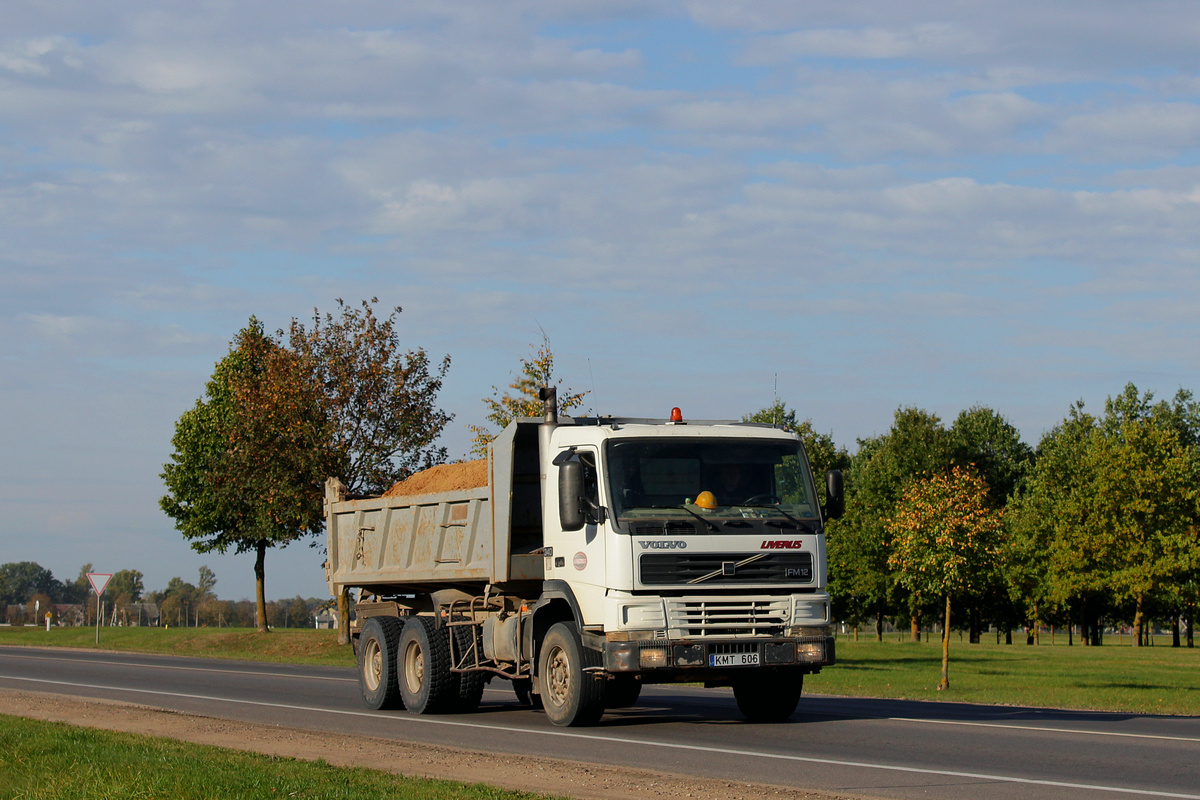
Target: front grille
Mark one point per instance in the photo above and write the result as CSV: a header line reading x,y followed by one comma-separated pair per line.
x,y
681,569
727,617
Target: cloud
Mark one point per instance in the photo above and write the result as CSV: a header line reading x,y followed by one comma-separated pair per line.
x,y
931,203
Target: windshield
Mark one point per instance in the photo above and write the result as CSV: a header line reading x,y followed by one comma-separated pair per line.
x,y
746,478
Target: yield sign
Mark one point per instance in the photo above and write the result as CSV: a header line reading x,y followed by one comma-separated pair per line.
x,y
99,580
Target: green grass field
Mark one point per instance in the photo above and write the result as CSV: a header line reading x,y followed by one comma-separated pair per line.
x,y
1115,677
48,761
282,645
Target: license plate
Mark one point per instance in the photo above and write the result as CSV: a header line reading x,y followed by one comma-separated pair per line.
x,y
733,660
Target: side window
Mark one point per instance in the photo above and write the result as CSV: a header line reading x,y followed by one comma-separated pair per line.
x,y
591,483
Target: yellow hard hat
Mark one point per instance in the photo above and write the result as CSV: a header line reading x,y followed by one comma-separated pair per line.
x,y
706,500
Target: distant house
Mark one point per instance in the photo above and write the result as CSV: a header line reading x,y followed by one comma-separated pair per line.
x,y
70,614
144,614
325,621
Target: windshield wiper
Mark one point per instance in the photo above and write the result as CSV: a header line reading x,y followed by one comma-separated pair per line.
x,y
798,524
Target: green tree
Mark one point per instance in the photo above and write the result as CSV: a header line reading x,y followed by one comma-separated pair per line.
x,y
1136,514
19,581
1109,512
944,541
823,453
77,591
380,401
521,398
251,457
126,582
208,580
982,438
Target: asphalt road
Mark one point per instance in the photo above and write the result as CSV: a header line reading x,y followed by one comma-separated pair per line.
x,y
876,748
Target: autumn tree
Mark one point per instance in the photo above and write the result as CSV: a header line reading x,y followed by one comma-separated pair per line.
x,y
521,398
916,446
379,400
982,439
943,540
251,457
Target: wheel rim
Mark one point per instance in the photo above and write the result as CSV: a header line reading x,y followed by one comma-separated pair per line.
x,y
558,677
373,664
414,667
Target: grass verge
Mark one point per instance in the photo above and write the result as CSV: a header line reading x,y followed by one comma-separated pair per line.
x,y
50,760
282,645
1147,680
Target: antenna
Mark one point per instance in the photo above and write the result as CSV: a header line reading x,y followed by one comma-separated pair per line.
x,y
593,379
775,404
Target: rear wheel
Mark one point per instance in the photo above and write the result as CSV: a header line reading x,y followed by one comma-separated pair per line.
x,y
378,668
768,698
570,695
426,682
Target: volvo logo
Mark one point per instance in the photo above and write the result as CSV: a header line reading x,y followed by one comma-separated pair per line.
x,y
661,544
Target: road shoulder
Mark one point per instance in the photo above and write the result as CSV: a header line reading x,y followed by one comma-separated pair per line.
x,y
547,776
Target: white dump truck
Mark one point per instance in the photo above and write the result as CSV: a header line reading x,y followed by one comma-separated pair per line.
x,y
602,554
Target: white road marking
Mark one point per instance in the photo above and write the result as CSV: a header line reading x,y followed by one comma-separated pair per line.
x,y
1042,729
638,742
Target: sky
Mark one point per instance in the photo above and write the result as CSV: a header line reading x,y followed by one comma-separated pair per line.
x,y
852,207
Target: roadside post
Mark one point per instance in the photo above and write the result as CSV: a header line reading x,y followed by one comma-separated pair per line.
x,y
99,580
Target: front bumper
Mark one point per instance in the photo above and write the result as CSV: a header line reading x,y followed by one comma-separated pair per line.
x,y
647,656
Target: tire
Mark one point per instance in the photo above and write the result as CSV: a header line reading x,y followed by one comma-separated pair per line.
x,y
768,698
470,684
378,664
426,683
622,691
570,696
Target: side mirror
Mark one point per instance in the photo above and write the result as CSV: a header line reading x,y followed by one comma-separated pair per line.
x,y
570,488
575,507
835,494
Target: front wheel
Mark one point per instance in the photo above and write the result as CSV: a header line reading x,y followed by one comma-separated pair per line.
x,y
768,698
570,695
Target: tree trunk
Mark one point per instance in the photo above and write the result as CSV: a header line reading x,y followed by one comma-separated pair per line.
x,y
260,588
1175,630
914,627
945,682
1191,610
1139,621
879,626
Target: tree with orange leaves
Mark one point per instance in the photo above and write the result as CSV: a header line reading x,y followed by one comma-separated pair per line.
x,y
944,537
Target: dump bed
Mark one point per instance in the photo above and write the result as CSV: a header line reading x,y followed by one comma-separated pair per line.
x,y
455,539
